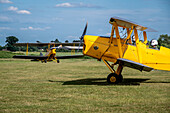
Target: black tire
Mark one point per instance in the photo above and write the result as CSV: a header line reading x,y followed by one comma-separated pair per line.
x,y
113,78
120,78
58,61
45,61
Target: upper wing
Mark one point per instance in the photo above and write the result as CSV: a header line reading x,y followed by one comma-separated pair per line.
x,y
70,47
30,57
134,65
128,24
45,44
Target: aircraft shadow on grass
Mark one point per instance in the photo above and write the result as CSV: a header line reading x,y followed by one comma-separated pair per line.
x,y
102,81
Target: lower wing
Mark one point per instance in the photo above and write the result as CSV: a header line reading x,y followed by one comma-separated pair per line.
x,y
135,65
69,56
30,57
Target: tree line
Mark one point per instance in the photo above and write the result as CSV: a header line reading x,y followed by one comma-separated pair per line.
x,y
10,40
163,40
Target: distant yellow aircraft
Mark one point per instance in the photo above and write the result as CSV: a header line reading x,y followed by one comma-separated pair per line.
x,y
123,52
51,54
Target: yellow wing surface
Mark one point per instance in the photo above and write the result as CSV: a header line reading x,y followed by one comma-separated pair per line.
x,y
126,23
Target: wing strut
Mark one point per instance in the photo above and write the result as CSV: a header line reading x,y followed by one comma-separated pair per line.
x,y
109,66
27,50
118,40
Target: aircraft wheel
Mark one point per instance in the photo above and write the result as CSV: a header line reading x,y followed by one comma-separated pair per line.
x,y
58,61
45,61
113,78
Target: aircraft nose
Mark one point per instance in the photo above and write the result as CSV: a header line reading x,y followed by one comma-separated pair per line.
x,y
95,46
88,42
85,45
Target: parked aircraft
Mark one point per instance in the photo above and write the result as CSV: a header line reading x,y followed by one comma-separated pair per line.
x,y
122,52
51,53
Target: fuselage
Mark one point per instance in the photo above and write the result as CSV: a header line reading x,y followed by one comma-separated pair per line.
x,y
99,47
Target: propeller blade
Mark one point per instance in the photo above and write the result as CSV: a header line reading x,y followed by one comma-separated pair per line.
x,y
84,32
82,37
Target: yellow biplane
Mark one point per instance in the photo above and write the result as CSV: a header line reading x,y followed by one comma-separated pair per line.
x,y
123,52
51,52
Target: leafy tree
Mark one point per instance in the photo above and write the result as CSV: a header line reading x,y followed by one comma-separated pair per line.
x,y
76,40
164,40
10,41
38,41
66,41
2,47
56,41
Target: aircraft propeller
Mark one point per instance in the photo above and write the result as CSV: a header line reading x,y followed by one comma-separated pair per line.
x,y
82,36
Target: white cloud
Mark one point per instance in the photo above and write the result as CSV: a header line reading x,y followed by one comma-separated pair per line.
x,y
23,12
65,5
12,8
5,1
4,28
35,29
15,9
80,5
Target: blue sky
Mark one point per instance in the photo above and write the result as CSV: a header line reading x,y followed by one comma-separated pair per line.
x,y
46,20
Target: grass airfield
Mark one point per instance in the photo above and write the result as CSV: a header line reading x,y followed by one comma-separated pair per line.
x,y
79,85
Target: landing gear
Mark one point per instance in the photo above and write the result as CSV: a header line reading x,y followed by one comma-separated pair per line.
x,y
113,78
58,61
43,61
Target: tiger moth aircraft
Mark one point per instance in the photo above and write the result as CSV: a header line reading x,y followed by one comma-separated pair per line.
x,y
51,52
123,52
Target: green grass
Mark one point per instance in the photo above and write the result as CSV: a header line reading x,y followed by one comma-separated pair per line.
x,y
79,85
7,54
